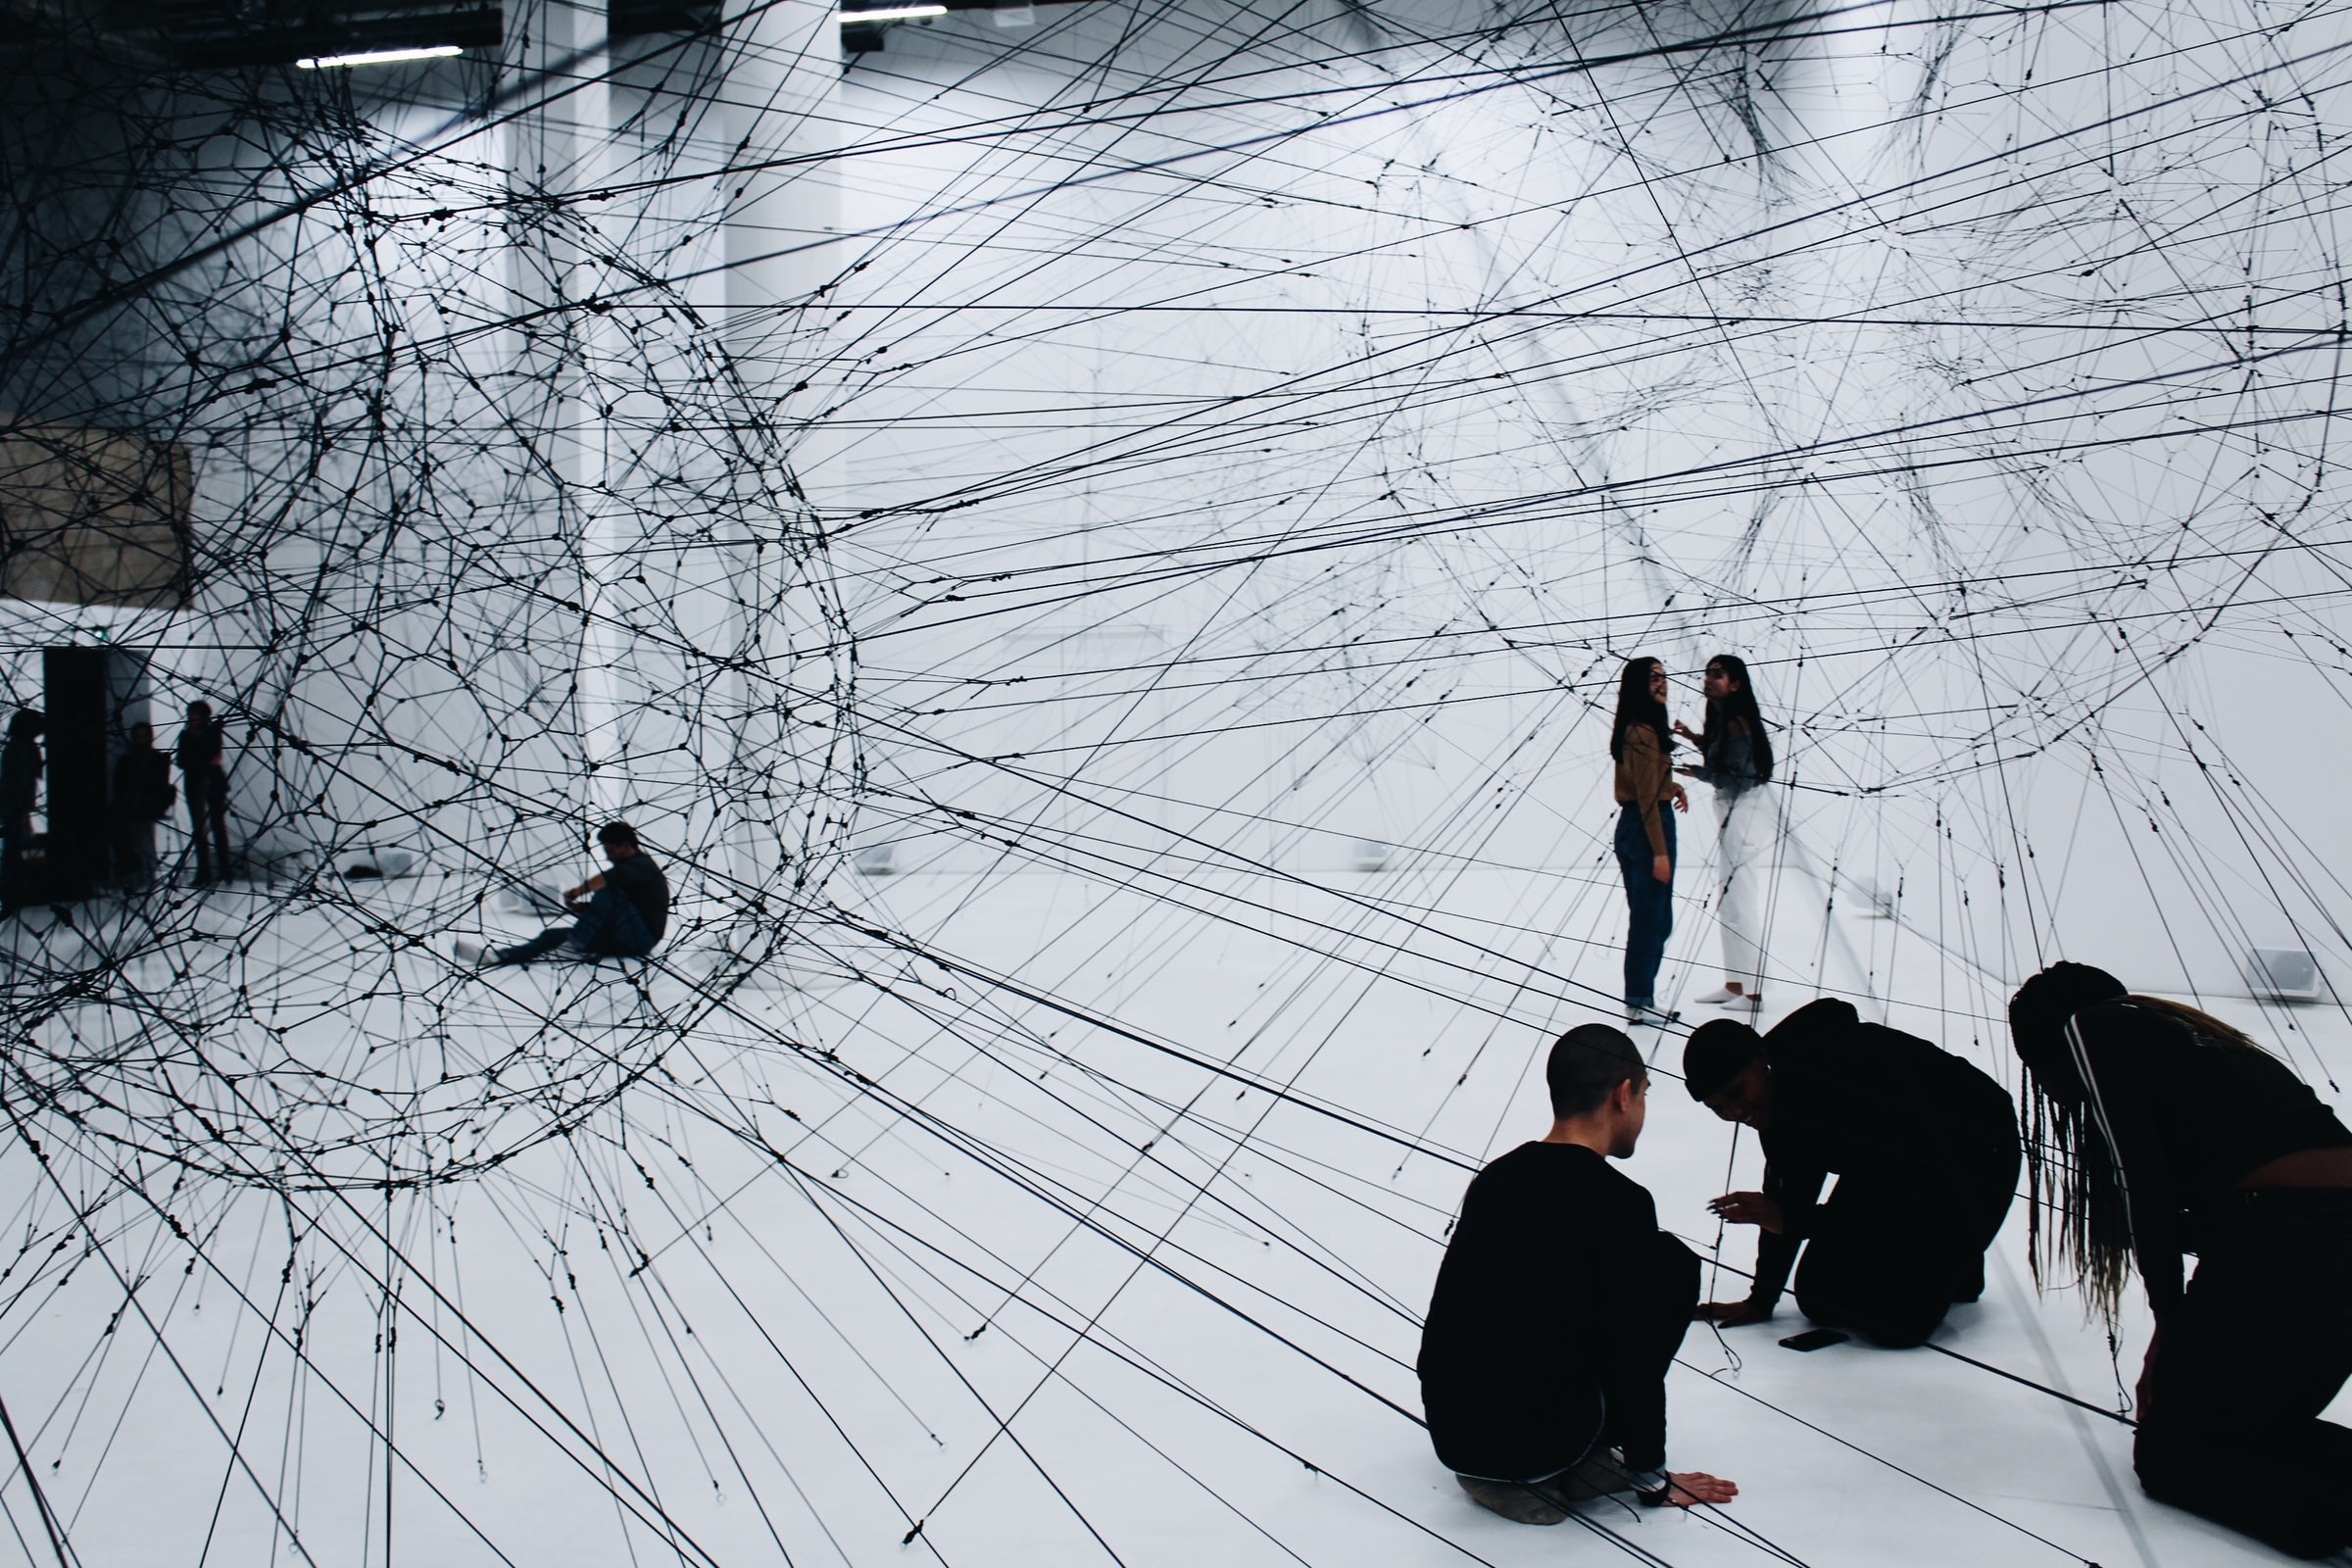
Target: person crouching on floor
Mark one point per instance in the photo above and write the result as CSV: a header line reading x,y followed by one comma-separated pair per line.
x,y
1559,1309
1924,1145
626,908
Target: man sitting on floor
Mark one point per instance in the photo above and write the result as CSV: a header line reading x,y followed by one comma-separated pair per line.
x,y
1926,1152
627,909
1559,1309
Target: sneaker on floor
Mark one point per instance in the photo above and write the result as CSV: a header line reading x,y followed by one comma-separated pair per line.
x,y
1521,1505
1637,1016
1726,997
1597,1475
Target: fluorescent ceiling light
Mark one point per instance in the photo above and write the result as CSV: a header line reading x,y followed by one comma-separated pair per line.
x,y
381,57
890,14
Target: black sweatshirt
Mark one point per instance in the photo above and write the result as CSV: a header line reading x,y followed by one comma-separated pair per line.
x,y
2191,1115
639,880
1546,1307
1874,1104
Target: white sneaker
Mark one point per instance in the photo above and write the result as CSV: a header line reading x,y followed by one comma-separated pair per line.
x,y
1720,997
1636,1017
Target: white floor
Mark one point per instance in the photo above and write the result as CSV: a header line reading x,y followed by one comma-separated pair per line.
x,y
1060,1292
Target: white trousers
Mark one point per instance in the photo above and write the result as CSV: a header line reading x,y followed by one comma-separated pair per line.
x,y
1743,845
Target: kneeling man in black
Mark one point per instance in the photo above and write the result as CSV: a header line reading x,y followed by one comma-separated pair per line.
x,y
1925,1148
1559,1308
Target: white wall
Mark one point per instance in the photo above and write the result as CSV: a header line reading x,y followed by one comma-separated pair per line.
x,y
1393,394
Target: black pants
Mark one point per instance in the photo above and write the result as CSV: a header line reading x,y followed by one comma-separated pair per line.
x,y
1670,1295
2229,1403
610,927
1889,1258
133,838
208,821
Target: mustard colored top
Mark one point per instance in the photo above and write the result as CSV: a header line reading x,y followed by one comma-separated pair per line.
x,y
1645,778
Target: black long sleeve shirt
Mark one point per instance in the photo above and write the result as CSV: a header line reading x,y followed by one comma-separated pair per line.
x,y
2188,1118
1551,1295
640,880
1870,1103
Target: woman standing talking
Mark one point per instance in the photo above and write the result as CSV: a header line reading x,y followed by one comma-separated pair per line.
x,y
1641,747
1735,758
2156,1130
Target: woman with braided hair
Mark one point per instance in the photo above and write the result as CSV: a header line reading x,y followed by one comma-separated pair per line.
x,y
2155,1130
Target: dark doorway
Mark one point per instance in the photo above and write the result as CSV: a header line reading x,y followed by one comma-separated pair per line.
x,y
93,696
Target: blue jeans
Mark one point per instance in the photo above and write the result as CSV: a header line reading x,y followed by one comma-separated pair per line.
x,y
609,928
1648,902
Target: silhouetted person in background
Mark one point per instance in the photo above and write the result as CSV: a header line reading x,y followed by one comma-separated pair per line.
x,y
141,797
19,791
203,774
1559,1309
2157,1130
626,913
1925,1148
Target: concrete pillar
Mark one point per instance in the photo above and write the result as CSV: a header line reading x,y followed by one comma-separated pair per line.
x,y
561,157
783,84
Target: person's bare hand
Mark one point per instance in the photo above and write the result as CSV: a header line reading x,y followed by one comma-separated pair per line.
x,y
1662,868
1687,1487
1729,1314
1682,799
1749,1208
1685,731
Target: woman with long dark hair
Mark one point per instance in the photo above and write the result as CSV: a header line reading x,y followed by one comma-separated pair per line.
x,y
1735,753
2156,1129
1642,748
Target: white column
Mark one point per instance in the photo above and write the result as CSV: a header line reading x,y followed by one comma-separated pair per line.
x,y
553,150
782,89
783,86
582,128
563,154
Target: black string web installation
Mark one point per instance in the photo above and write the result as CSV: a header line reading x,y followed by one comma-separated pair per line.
x,y
1095,543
